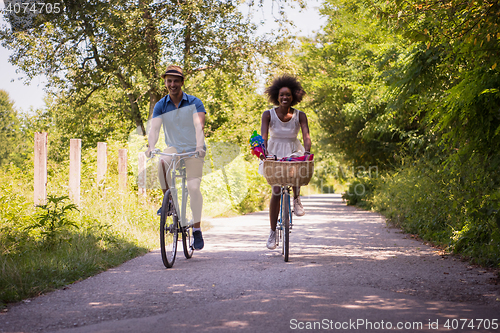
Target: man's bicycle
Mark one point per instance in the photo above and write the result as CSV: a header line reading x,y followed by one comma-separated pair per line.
x,y
286,174
171,222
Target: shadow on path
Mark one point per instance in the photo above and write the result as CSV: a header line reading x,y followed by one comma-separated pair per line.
x,y
345,266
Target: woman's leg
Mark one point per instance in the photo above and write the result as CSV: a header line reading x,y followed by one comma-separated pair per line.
x,y
274,210
297,204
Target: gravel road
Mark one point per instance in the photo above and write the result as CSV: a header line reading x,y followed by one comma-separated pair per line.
x,y
347,272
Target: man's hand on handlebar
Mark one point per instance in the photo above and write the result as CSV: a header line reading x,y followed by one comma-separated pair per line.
x,y
200,152
151,151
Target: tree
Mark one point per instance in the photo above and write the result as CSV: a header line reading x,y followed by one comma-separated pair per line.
x,y
9,127
457,47
346,70
94,45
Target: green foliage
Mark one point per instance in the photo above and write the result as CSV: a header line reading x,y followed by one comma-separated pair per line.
x,y
258,193
469,114
345,70
13,220
412,88
360,192
10,137
48,247
454,204
453,73
234,108
51,220
99,120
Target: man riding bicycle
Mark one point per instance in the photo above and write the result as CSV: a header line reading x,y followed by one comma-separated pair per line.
x,y
183,119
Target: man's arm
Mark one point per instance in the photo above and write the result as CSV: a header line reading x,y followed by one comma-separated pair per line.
x,y
199,125
154,133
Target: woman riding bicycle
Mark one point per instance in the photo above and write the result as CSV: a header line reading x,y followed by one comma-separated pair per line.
x,y
279,129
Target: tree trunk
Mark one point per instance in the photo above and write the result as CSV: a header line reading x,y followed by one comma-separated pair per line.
x,y
135,113
187,45
154,97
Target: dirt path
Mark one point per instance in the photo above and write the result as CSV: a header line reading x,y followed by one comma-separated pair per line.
x,y
347,271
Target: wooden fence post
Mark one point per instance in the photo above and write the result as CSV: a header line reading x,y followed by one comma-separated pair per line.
x,y
40,172
75,159
122,169
141,178
102,162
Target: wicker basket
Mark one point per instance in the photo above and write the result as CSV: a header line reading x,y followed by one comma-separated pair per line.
x,y
279,173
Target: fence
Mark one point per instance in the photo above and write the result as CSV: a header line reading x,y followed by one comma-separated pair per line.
x,y
75,154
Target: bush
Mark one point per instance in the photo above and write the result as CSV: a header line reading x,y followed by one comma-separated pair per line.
x,y
52,222
455,205
360,192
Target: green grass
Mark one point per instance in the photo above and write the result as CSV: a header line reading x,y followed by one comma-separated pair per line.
x,y
108,230
37,270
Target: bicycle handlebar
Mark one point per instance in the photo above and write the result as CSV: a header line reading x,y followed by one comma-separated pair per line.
x,y
159,152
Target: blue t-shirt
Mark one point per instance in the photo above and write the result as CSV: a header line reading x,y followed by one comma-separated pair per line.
x,y
178,124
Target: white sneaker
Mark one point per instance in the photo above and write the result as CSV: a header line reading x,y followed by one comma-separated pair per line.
x,y
271,241
297,207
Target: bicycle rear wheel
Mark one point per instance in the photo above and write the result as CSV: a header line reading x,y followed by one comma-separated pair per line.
x,y
285,209
187,238
169,232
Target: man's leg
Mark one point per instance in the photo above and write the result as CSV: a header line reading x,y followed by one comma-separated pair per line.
x,y
194,172
164,175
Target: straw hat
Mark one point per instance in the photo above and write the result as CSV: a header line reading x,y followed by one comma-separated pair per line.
x,y
174,71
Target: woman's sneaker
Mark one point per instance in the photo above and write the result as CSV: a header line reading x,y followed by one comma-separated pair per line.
x,y
297,207
271,241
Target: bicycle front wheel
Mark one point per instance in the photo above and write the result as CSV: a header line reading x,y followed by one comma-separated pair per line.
x,y
285,209
169,231
187,239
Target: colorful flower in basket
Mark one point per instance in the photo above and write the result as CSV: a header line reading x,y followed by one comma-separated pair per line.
x,y
256,144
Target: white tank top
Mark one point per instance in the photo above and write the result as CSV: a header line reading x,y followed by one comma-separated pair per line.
x,y
283,140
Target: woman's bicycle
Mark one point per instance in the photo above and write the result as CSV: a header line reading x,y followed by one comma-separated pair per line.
x,y
286,175
284,226
171,222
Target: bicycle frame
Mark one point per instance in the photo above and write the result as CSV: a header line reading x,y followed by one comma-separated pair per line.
x,y
176,172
